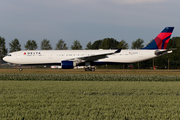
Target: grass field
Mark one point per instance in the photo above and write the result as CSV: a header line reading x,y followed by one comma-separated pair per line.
x,y
98,71
75,94
89,100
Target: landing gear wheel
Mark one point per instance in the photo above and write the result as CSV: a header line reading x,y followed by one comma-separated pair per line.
x,y
92,69
20,69
86,69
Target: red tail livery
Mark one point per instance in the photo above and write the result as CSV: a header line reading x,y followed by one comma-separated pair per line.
x,y
161,41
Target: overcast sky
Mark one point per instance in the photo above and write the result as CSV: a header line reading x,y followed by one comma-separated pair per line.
x,y
86,20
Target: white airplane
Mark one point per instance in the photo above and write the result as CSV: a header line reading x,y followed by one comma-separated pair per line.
x,y
68,59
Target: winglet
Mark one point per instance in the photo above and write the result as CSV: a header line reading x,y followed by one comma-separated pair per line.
x,y
118,51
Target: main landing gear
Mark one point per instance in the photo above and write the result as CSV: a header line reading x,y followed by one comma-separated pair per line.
x,y
90,68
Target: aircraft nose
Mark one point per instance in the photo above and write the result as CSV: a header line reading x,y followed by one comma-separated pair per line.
x,y
5,59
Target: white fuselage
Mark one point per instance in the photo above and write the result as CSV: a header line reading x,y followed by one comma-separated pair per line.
x,y
56,56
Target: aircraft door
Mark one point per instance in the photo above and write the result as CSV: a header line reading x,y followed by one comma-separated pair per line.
x,y
50,55
19,57
141,54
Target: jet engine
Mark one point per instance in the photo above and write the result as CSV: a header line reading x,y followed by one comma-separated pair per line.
x,y
68,64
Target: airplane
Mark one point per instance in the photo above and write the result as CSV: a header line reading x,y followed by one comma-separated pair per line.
x,y
68,59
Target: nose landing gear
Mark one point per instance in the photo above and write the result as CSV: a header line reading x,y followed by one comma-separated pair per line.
x,y
20,69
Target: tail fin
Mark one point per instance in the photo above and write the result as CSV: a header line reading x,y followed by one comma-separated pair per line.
x,y
161,41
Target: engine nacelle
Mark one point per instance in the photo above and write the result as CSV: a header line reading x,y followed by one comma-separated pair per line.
x,y
68,64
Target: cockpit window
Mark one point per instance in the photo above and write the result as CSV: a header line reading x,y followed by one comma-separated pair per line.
x,y
9,55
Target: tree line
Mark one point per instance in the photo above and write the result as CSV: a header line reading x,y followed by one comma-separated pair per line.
x,y
167,61
106,43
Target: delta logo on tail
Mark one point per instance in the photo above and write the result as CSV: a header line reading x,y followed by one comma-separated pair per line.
x,y
161,41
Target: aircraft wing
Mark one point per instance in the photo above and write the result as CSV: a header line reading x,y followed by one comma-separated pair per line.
x,y
96,57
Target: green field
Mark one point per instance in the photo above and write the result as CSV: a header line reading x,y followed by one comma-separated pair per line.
x,y
85,77
89,100
98,71
57,94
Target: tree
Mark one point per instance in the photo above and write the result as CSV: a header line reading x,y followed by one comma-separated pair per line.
x,y
76,45
174,57
88,46
45,45
15,45
96,44
61,45
3,50
31,45
122,44
109,43
138,44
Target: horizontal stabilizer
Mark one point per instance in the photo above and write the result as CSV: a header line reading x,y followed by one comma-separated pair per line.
x,y
162,52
